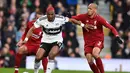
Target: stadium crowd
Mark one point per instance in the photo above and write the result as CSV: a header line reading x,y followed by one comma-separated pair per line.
x,y
14,15
120,15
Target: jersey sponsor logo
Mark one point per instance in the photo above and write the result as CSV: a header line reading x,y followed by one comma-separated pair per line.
x,y
35,36
52,31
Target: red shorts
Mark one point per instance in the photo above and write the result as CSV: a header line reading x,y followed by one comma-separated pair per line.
x,y
89,49
32,49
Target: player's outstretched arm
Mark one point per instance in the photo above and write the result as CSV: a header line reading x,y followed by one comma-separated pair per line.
x,y
87,27
114,31
20,43
29,33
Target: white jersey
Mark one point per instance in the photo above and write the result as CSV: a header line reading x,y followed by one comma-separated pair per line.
x,y
52,31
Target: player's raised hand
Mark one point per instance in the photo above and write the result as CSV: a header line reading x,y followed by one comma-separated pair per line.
x,y
119,40
19,43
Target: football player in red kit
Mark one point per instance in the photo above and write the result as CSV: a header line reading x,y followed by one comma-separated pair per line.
x,y
31,47
94,37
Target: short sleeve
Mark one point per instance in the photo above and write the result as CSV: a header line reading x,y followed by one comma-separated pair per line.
x,y
65,19
37,23
78,17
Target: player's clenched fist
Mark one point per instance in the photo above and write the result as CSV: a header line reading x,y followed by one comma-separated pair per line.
x,y
119,40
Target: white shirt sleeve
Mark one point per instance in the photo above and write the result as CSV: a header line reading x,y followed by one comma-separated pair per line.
x,y
37,23
65,19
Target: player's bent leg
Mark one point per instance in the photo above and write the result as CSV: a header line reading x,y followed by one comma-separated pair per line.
x,y
38,57
39,54
96,52
54,51
22,49
51,63
44,63
89,57
18,57
91,63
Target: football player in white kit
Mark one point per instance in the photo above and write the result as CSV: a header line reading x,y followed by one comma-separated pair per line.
x,y
51,41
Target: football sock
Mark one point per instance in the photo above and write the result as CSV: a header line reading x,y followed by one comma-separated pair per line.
x,y
36,66
16,70
50,66
18,58
94,68
100,64
44,63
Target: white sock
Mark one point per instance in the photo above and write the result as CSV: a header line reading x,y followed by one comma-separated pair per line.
x,y
50,66
16,69
36,67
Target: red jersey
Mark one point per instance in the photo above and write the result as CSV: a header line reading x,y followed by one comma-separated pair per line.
x,y
35,39
95,34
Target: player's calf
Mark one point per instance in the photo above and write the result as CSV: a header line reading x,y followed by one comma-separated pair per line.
x,y
89,58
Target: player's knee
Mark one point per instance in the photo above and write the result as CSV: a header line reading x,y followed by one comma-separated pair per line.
x,y
20,50
95,55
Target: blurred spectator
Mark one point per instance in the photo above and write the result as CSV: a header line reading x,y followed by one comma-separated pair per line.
x,y
3,3
116,49
90,1
20,32
32,15
60,9
71,45
8,57
126,51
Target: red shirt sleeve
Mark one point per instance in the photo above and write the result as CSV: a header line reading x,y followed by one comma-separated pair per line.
x,y
78,17
106,24
26,30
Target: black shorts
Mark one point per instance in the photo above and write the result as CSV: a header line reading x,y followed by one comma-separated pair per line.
x,y
48,46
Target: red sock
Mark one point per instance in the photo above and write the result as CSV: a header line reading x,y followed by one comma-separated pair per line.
x,y
18,58
99,64
94,68
44,63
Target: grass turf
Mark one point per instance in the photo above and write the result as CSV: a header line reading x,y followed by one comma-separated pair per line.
x,y
21,70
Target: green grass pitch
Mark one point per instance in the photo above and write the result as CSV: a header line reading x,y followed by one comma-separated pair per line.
x,y
21,70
